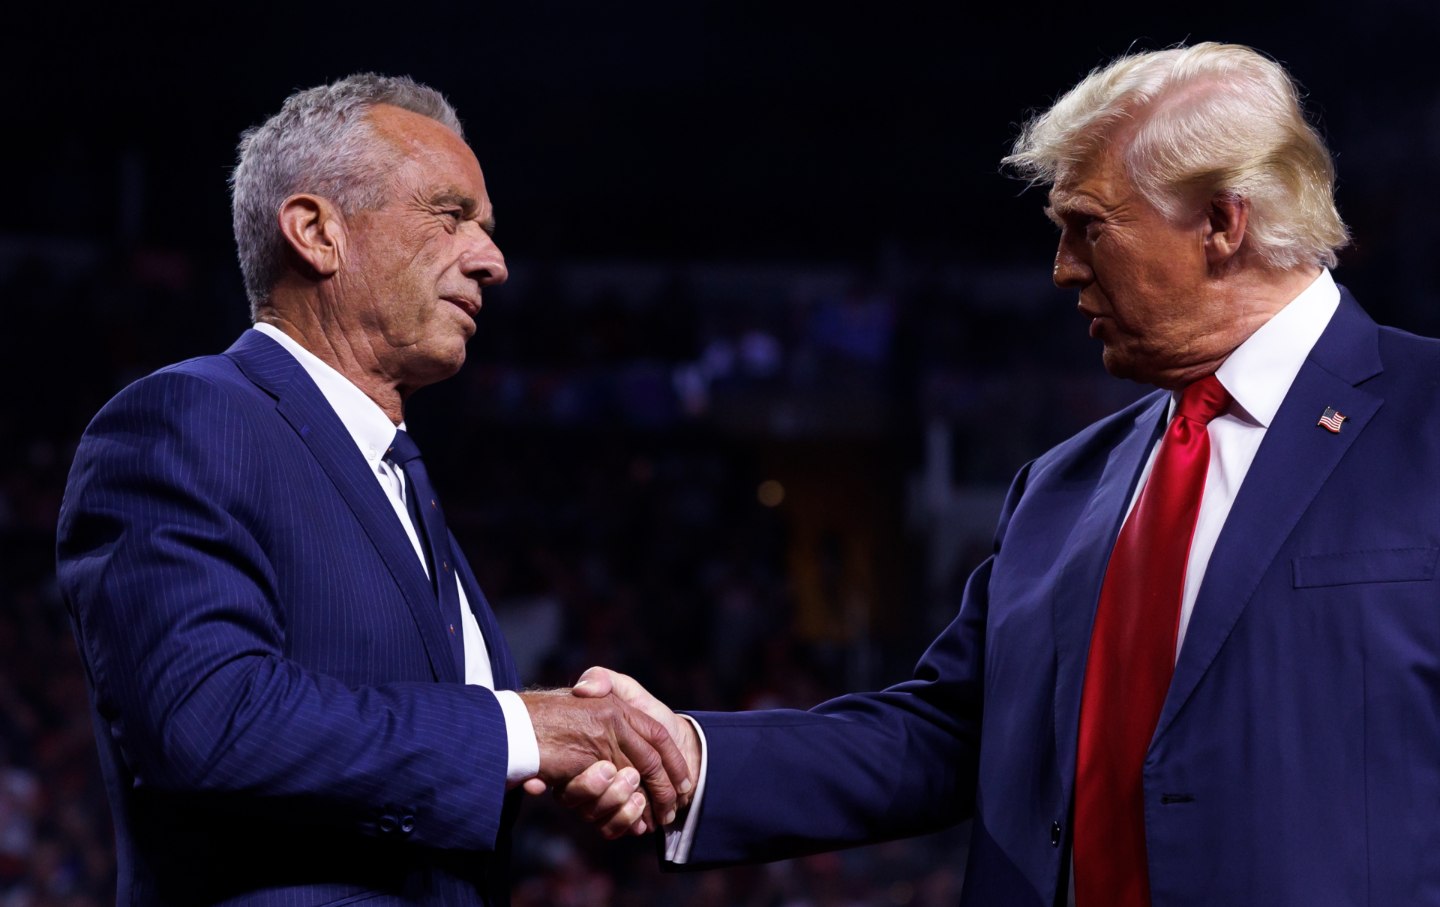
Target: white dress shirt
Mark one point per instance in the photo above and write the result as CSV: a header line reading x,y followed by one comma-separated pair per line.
x,y
373,432
1258,375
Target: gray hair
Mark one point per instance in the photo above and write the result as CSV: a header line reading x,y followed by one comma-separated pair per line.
x,y
1222,118
321,142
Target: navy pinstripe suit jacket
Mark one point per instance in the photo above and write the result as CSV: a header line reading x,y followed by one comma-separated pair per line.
x,y
279,716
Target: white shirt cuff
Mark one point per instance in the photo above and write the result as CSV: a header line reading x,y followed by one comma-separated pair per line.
x,y
524,748
681,836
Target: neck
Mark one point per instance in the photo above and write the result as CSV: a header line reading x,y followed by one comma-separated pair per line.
x,y
1283,286
1242,303
327,339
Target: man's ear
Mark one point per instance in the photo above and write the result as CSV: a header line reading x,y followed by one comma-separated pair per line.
x,y
1226,221
314,229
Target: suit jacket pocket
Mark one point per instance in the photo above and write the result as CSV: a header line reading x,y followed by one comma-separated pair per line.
x,y
1382,565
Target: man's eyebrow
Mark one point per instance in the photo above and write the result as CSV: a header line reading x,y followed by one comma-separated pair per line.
x,y
1057,208
458,199
467,205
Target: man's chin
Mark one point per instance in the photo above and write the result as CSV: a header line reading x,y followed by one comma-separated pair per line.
x,y
1149,373
1120,365
437,367
1115,363
452,364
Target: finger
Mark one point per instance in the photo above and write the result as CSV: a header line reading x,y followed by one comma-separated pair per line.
x,y
672,758
649,748
598,681
618,798
594,683
688,742
588,787
627,819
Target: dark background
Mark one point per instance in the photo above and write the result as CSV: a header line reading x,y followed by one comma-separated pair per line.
x,y
749,242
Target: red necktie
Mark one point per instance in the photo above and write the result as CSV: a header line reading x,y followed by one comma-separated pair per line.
x,y
1132,655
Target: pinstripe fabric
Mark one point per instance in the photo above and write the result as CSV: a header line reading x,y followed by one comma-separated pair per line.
x,y
279,716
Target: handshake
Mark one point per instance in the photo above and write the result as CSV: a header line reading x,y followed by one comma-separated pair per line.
x,y
601,741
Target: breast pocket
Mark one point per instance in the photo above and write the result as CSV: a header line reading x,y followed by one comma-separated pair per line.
x,y
1381,565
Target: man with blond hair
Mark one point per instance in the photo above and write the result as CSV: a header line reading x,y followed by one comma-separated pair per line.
x,y
1202,665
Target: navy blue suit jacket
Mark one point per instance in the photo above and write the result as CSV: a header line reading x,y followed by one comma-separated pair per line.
x,y
1297,758
279,714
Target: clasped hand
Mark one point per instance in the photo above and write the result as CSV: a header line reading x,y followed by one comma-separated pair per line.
x,y
599,746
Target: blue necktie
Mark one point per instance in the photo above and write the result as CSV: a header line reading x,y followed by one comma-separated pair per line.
x,y
429,521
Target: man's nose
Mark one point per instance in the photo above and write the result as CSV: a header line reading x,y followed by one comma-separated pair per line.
x,y
484,262
1072,272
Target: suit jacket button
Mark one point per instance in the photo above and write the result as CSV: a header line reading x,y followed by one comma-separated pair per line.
x,y
407,824
387,824
1055,834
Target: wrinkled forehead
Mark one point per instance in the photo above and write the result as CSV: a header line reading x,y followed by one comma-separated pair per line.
x,y
427,149
1103,171
415,134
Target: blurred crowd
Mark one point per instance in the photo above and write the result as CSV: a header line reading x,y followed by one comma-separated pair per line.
x,y
745,484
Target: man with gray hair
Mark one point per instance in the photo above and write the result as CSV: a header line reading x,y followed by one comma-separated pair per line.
x,y
300,693
1202,665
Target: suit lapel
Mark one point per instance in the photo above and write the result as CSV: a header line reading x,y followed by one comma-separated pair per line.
x,y
1077,590
300,402
1295,459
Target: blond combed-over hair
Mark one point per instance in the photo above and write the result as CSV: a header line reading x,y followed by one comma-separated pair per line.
x,y
1223,119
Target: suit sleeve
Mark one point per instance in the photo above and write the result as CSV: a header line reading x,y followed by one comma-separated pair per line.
x,y
858,769
162,560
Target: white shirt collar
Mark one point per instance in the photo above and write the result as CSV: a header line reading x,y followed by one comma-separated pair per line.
x,y
1259,373
363,418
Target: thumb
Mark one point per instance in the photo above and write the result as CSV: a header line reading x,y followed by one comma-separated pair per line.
x,y
594,683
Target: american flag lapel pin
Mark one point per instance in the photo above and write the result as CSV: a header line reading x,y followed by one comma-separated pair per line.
x,y
1331,420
